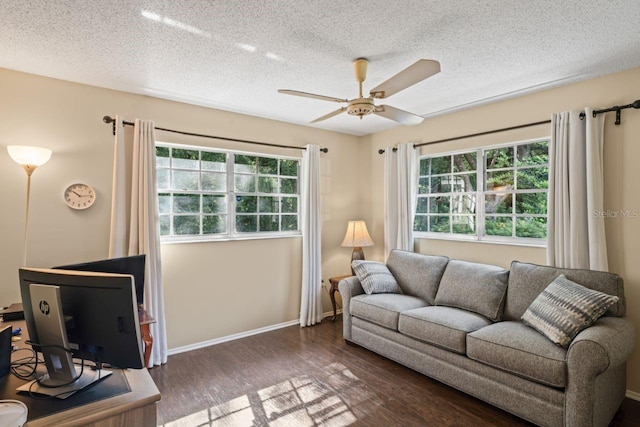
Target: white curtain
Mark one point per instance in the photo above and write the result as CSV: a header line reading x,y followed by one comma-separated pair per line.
x,y
134,219
400,195
311,302
576,236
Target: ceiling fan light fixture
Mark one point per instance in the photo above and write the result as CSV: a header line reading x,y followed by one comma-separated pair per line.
x,y
361,107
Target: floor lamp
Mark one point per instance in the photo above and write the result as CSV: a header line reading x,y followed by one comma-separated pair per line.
x,y
29,158
356,237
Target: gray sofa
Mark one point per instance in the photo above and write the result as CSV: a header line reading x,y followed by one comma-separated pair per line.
x,y
459,323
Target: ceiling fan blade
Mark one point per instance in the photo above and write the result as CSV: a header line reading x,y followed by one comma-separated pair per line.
x,y
397,115
331,114
408,77
311,95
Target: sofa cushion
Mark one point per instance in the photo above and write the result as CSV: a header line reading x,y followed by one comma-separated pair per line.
x,y
480,288
375,277
445,327
383,309
515,347
417,274
564,309
527,281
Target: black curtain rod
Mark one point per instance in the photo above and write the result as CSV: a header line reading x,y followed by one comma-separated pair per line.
x,y
635,104
381,151
108,119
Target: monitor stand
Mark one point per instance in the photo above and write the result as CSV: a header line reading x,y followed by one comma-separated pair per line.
x,y
48,317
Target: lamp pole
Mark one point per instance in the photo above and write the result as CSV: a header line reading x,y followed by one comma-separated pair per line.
x,y
29,170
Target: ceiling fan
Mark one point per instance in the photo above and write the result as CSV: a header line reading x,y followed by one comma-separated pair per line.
x,y
362,106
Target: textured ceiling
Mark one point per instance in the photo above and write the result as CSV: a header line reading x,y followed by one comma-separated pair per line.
x,y
235,55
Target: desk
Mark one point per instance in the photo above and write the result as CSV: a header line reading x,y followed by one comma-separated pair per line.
x,y
135,408
334,287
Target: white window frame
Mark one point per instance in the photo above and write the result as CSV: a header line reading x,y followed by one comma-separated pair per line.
x,y
230,197
480,200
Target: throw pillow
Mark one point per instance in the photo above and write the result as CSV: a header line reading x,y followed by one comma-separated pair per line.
x,y
565,308
375,277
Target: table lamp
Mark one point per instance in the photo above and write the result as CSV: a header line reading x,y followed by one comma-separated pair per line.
x,y
356,237
29,158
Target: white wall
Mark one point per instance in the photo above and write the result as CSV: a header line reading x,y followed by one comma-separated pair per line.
x,y
622,174
211,289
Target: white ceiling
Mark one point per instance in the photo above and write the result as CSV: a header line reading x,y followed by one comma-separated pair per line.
x,y
234,55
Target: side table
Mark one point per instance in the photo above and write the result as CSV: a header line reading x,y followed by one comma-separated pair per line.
x,y
334,287
145,330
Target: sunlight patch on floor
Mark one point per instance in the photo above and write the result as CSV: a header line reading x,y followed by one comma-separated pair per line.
x,y
301,401
234,413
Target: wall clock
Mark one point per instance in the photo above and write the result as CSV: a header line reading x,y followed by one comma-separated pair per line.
x,y
79,196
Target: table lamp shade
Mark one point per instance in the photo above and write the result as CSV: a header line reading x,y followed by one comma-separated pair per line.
x,y
356,235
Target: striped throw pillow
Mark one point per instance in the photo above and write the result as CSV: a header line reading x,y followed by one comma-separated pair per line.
x,y
565,308
375,277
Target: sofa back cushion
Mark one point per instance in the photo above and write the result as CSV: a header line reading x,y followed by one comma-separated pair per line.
x,y
417,274
527,281
480,288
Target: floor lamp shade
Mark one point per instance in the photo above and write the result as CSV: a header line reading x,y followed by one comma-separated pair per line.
x,y
29,158
356,237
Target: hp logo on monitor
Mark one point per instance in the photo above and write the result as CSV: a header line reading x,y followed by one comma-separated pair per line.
x,y
45,308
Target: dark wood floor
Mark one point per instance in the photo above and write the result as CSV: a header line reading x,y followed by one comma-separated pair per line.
x,y
309,376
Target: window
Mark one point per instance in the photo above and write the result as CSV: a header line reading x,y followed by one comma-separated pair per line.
x,y
224,194
515,193
447,194
503,196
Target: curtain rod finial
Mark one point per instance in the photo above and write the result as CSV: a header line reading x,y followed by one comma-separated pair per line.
x,y
324,150
108,119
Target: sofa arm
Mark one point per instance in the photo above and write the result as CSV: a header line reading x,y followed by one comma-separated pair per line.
x,y
596,371
613,337
348,288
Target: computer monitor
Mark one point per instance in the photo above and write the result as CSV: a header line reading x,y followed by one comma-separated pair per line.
x,y
93,314
133,265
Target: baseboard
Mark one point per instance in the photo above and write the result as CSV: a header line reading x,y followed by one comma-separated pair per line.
x,y
330,313
633,395
233,337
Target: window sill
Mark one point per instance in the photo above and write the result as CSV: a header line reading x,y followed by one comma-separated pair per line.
x,y
202,239
533,243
